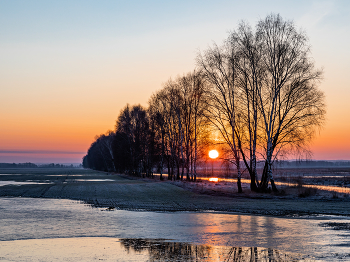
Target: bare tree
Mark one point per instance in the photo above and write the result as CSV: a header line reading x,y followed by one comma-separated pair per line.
x,y
191,88
198,101
249,77
219,70
291,105
259,90
134,123
158,116
107,142
264,98
162,108
177,111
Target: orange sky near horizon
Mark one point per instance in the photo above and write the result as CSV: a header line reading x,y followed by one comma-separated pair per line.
x,y
67,70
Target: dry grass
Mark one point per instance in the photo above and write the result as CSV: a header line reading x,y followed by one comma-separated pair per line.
x,y
146,194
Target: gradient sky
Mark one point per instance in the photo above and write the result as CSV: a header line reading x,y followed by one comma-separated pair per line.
x,y
68,67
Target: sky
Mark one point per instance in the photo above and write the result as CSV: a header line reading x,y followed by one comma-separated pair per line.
x,y
67,68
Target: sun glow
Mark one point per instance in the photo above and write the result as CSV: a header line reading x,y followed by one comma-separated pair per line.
x,y
213,154
214,179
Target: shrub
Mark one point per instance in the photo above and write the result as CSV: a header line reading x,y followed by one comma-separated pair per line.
x,y
307,192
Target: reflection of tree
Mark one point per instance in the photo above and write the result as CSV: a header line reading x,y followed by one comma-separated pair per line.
x,y
160,250
168,251
257,254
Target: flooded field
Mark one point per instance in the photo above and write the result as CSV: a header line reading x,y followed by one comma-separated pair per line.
x,y
332,181
338,189
35,229
138,250
336,179
76,214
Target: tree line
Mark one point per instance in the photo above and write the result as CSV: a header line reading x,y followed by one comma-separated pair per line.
x,y
255,97
32,165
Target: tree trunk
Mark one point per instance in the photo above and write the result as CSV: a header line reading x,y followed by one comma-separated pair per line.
x,y
169,170
264,179
239,175
253,186
270,177
253,175
269,167
177,170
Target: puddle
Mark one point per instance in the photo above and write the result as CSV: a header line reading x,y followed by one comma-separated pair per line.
x,y
160,250
16,183
114,249
68,249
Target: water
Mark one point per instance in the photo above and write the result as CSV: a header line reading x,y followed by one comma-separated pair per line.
x,y
93,180
338,189
16,183
57,224
111,249
333,188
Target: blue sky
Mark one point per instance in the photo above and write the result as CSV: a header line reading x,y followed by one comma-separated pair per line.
x,y
68,67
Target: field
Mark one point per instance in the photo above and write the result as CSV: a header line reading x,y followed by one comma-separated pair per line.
x,y
122,192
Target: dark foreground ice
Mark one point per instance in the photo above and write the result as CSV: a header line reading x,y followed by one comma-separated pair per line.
x,y
65,230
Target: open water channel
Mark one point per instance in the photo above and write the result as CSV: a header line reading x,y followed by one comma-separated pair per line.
x,y
64,230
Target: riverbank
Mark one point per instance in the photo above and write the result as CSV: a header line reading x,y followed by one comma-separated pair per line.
x,y
113,191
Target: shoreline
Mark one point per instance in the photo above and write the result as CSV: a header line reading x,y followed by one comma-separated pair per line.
x,y
114,191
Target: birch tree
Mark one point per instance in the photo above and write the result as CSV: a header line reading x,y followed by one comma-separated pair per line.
x,y
249,77
218,67
291,105
177,110
264,98
191,88
158,116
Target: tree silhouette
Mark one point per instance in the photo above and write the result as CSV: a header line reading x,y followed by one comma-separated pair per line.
x,y
258,91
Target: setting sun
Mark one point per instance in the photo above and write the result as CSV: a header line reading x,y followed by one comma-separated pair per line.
x,y
213,154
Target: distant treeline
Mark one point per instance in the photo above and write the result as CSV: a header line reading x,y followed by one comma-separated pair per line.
x,y
311,163
255,98
31,165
